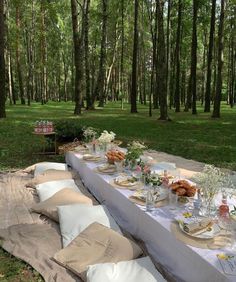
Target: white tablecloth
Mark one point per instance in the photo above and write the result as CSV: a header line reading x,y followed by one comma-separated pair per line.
x,y
185,263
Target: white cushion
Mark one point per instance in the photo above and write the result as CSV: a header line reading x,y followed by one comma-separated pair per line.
x,y
75,218
41,167
138,270
48,189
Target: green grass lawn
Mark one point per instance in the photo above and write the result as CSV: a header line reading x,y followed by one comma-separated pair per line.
x,y
194,137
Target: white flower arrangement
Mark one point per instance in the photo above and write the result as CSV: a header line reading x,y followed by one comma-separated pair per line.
x,y
213,180
210,184
89,133
209,180
106,137
136,145
135,150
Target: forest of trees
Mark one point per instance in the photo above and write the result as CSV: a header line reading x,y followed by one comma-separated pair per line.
x,y
166,54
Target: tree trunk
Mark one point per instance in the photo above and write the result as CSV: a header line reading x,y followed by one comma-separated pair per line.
x,y
86,55
8,56
217,100
2,61
152,95
183,88
177,57
168,49
192,89
134,62
99,90
232,67
154,92
161,62
43,55
203,68
77,56
122,54
18,56
207,106
194,58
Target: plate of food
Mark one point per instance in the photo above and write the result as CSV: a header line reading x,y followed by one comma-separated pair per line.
x,y
201,228
126,181
91,158
141,195
106,169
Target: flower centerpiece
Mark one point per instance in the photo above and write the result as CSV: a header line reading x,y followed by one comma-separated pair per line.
x,y
211,181
135,150
105,138
89,134
154,179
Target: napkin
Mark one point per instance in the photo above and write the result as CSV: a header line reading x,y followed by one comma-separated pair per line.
x,y
196,228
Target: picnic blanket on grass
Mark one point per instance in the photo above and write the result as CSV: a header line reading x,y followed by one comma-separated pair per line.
x,y
27,235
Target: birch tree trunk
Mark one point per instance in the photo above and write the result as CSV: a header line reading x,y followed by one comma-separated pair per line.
x,y
99,90
77,56
161,62
18,55
2,62
207,106
134,61
218,94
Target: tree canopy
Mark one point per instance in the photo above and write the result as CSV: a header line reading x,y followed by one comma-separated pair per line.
x,y
165,53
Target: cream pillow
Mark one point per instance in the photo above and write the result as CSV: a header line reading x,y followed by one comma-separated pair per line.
x,y
41,167
96,244
50,175
138,270
48,189
65,196
75,218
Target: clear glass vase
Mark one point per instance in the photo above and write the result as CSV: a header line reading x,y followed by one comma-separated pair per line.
x,y
208,207
132,164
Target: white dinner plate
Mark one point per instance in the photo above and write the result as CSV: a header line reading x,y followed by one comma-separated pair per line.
x,y
106,169
213,231
141,195
91,158
125,181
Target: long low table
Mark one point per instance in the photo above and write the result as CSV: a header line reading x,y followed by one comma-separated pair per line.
x,y
183,262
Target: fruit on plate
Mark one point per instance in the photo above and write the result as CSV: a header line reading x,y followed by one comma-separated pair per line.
x,y
114,156
183,188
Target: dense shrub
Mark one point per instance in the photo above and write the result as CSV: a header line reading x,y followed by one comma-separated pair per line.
x,y
68,130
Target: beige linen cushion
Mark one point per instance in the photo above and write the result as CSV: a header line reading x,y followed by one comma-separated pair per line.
x,y
66,196
96,244
50,175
